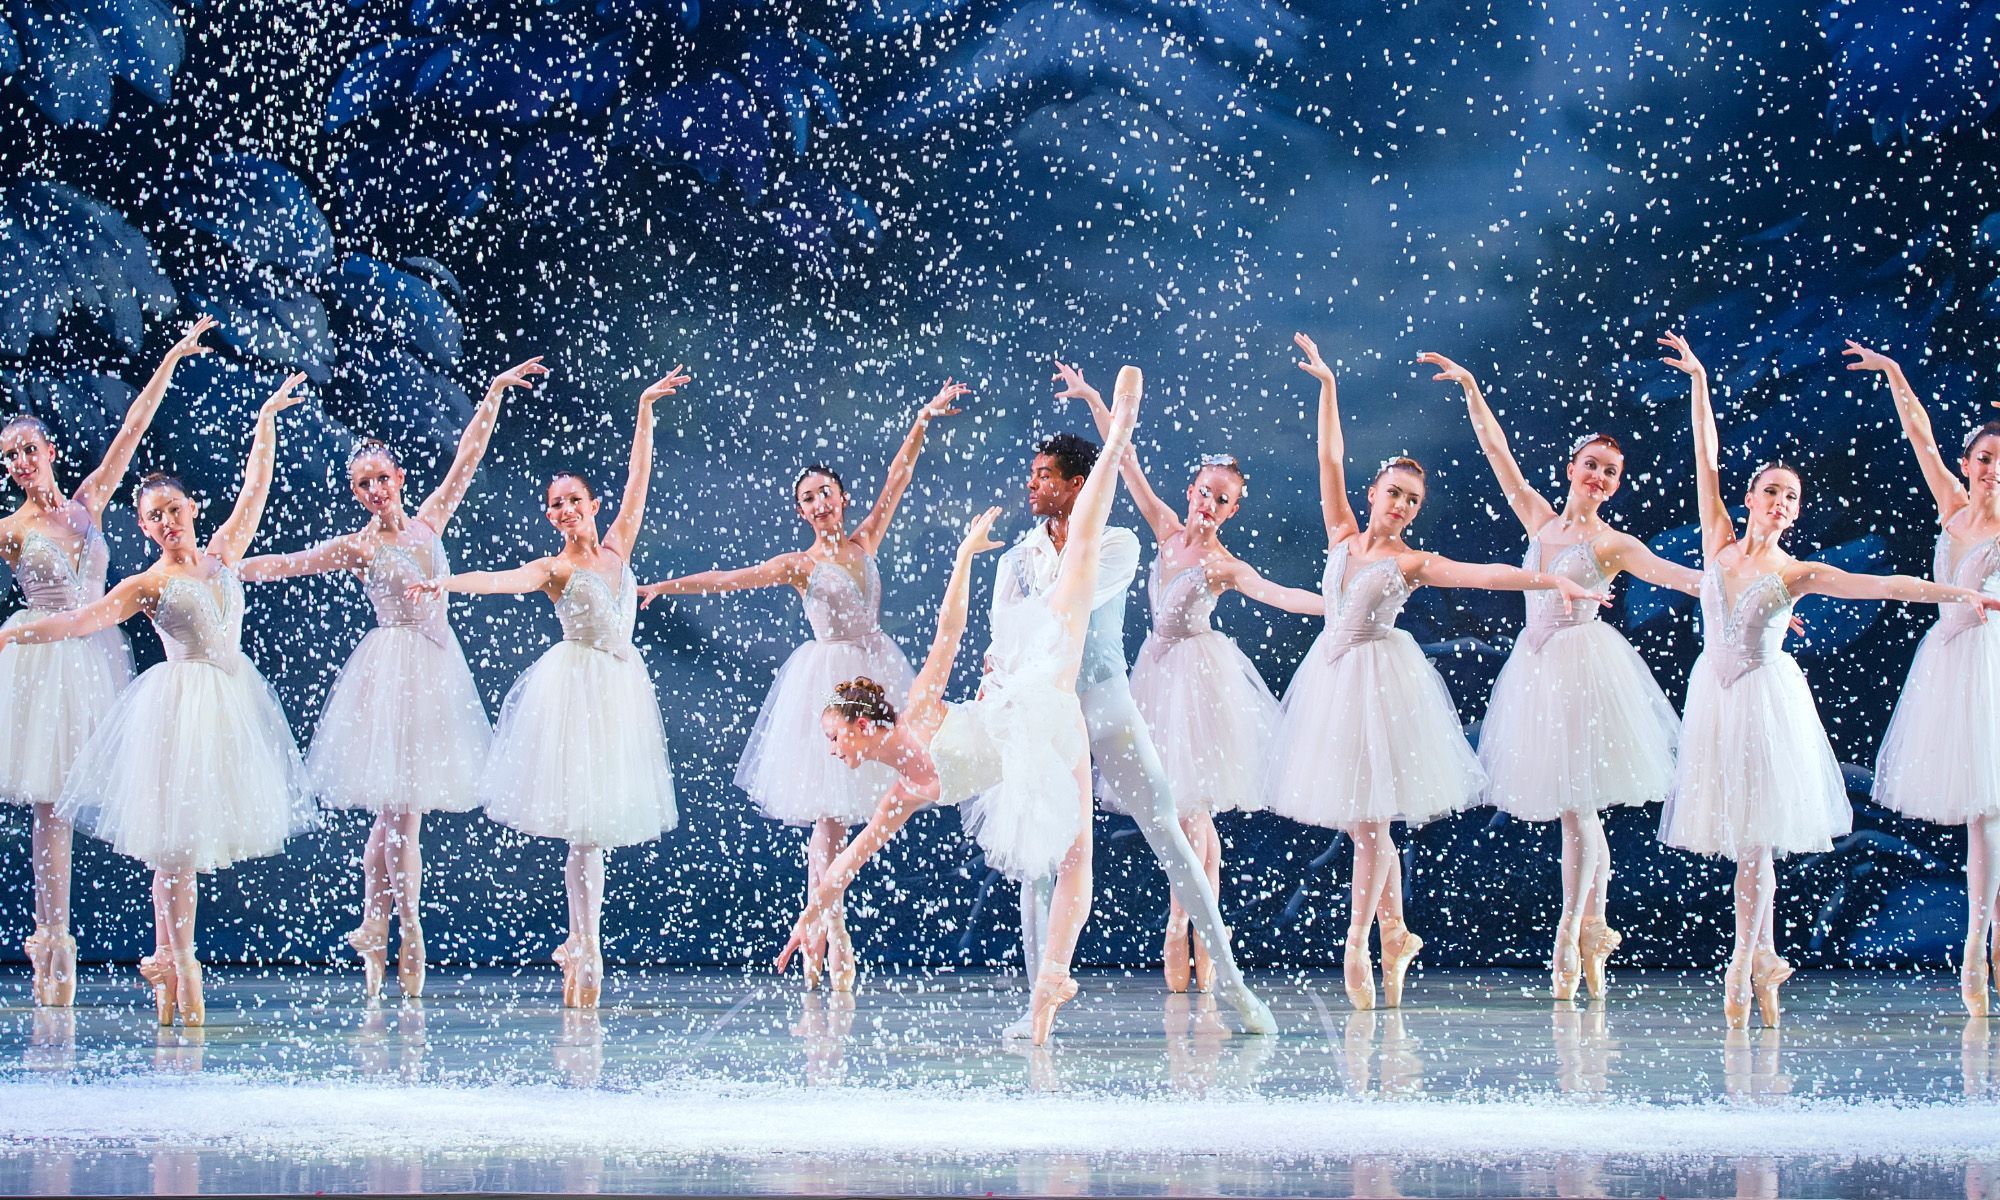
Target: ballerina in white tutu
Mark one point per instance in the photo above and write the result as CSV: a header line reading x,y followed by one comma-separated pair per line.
x,y
52,695
1940,759
1756,776
841,589
1576,722
1017,758
194,768
403,732
1210,713
580,752
1368,734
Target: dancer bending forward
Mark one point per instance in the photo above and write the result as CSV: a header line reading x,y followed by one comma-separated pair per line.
x,y
194,768
1757,777
581,753
1369,735
1017,757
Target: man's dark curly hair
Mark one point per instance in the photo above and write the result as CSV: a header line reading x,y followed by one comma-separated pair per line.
x,y
1074,456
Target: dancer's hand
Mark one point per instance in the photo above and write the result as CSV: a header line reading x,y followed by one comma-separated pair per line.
x,y
979,537
1574,593
1797,625
284,397
424,589
1682,358
1073,387
1985,604
944,403
190,344
519,375
1447,370
650,592
675,380
1313,364
809,936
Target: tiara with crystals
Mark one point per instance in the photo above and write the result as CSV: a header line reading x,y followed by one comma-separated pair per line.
x,y
1576,447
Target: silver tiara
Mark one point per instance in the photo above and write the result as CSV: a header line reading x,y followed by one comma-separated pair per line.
x,y
366,446
1576,447
1216,460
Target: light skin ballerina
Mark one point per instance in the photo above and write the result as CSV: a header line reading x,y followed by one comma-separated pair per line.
x,y
166,516
392,858
1185,542
821,501
1743,559
67,522
857,732
1969,513
572,508
1395,496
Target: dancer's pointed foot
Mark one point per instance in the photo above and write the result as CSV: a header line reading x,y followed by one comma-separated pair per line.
x,y
1021,1028
410,960
1204,966
1596,943
1736,983
62,971
1358,974
840,970
41,948
187,988
157,969
1974,985
589,973
370,944
1250,1010
565,956
1399,950
1766,975
1053,989
1174,958
1566,966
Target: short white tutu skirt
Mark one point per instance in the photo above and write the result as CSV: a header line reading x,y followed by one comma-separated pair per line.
x,y
1756,769
52,696
786,766
1577,725
1370,735
1212,718
1940,759
403,730
193,769
580,752
1010,764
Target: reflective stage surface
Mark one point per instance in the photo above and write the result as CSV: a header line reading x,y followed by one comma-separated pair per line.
x,y
712,1083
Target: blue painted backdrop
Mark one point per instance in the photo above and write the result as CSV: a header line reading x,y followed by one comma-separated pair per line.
x,y
825,209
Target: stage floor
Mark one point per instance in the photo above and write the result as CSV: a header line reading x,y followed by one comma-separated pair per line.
x,y
721,1083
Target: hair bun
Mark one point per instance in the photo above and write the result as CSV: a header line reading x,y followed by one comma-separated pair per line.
x,y
864,699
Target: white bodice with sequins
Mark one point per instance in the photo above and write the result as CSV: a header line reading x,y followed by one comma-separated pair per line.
x,y
51,581
1183,604
1362,605
598,613
1575,562
1978,568
1748,632
201,619
840,609
395,567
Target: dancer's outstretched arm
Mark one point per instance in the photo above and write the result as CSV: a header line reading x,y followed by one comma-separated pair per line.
x,y
132,595
546,575
902,468
1945,486
1333,506
97,487
1623,552
233,538
1809,577
1160,516
437,509
1717,530
343,553
1235,573
624,532
793,567
1435,570
1072,595
919,720
1530,507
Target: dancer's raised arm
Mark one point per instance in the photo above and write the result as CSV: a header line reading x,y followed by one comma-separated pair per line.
x,y
437,509
902,468
1159,515
233,538
1717,530
1530,507
1333,505
1074,593
624,531
1945,487
98,487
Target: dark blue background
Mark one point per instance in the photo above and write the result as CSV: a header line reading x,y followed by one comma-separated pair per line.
x,y
827,209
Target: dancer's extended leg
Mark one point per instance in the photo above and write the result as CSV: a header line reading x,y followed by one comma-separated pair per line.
x,y
829,838
370,941
1372,846
1982,891
182,896
583,873
1069,909
404,857
51,948
1579,869
1756,881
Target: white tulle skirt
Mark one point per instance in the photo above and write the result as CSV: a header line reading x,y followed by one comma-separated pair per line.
x,y
1010,763
1755,769
52,696
1371,735
580,752
1211,717
1579,724
193,769
403,730
1940,759
786,767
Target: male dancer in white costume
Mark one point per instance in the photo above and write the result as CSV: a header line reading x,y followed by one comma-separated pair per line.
x,y
1121,750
